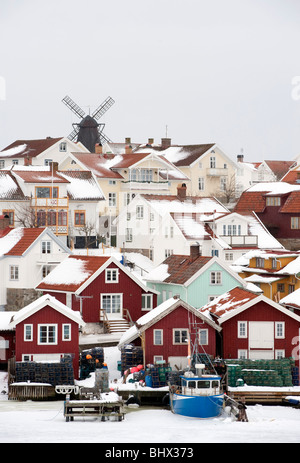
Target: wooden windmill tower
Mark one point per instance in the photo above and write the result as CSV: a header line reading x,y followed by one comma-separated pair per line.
x,y
88,131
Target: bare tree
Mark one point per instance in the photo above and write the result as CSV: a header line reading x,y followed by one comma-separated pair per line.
x,y
228,193
25,215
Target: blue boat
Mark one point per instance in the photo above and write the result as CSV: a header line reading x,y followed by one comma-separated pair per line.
x,y
199,395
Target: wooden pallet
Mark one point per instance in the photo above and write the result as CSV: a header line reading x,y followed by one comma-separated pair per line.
x,y
93,408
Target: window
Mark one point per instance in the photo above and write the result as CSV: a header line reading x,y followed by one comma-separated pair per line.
x,y
180,336
2,163
128,235
46,192
260,262
79,218
47,334
146,175
46,270
147,301
139,212
66,332
128,216
229,256
48,162
274,263
157,359
46,247
212,162
168,252
171,232
111,303
200,165
128,197
28,330
223,183
215,252
112,199
242,329
280,287
11,215
151,216
242,354
279,330
111,275
158,337
291,289
215,278
203,337
295,223
63,146
15,162
14,272
273,201
201,183
112,182
279,354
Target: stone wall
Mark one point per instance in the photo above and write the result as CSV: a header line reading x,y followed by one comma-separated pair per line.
x,y
18,298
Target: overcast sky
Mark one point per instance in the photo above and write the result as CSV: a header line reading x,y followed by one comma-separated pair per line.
x,y
198,71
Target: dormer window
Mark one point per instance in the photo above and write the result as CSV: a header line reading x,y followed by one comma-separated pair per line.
x,y
260,262
273,201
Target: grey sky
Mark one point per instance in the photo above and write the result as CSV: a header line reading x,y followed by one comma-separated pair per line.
x,y
211,71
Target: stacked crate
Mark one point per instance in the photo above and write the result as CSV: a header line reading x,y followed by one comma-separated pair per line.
x,y
274,373
90,359
159,375
46,372
131,356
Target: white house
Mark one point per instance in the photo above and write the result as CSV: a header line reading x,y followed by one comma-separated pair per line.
x,y
26,256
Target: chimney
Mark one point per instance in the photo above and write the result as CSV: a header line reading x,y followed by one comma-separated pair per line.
x,y
194,251
98,148
150,141
165,143
128,149
27,161
4,222
240,157
127,140
181,192
53,166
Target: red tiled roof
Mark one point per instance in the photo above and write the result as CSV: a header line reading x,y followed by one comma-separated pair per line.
x,y
10,189
230,300
190,153
292,177
251,201
181,268
33,147
41,176
97,164
292,203
280,168
90,265
28,238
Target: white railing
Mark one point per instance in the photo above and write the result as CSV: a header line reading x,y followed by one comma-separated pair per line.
x,y
240,240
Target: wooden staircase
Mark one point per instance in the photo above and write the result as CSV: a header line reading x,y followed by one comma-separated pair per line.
x,y
118,326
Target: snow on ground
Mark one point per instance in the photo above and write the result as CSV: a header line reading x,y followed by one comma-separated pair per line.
x,y
44,422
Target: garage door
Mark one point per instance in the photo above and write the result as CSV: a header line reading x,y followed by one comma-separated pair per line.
x,y
261,338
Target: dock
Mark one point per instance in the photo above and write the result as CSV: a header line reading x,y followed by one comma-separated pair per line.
x,y
261,395
106,408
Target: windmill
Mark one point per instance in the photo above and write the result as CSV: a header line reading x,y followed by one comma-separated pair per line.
x,y
89,131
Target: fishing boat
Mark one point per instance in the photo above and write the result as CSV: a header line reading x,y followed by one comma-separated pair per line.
x,y
199,395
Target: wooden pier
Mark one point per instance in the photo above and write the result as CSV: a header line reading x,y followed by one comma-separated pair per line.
x,y
261,396
94,408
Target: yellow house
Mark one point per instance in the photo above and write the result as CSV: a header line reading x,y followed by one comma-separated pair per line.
x,y
210,170
276,273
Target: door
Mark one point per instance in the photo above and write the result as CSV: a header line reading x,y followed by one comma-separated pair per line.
x,y
112,305
261,340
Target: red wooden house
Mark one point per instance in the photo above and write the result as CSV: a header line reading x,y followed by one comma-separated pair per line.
x,y
98,287
254,326
45,330
164,332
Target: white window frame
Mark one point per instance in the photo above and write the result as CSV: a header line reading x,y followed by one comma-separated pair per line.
x,y
157,358
63,147
46,247
203,331
181,343
47,325
14,273
111,275
277,327
279,354
147,302
112,199
160,333
102,295
242,333
216,277
201,183
2,163
128,235
66,325
242,354
139,212
29,326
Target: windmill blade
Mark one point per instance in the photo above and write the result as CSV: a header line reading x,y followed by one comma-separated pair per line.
x,y
74,134
103,138
73,106
103,108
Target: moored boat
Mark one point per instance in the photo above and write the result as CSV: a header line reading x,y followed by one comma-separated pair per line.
x,y
200,395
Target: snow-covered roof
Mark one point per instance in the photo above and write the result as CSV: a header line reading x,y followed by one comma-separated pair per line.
x,y
170,203
156,314
10,240
273,188
39,304
82,186
5,318
292,299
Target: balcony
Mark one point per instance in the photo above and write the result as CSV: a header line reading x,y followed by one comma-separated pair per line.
x,y
216,172
240,240
50,203
144,185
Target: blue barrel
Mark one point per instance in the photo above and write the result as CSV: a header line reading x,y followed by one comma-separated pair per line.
x,y
148,380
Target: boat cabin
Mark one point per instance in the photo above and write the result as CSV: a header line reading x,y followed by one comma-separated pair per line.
x,y
204,385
